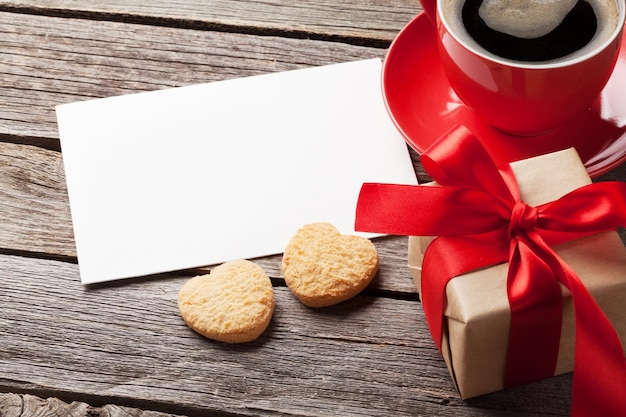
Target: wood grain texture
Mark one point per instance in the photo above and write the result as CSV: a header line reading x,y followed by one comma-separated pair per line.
x,y
360,21
121,349
26,405
34,206
125,344
48,61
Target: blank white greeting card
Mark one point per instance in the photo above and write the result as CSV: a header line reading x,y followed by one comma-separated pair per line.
x,y
199,175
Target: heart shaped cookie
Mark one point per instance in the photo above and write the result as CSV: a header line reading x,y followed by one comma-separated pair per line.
x,y
232,304
323,267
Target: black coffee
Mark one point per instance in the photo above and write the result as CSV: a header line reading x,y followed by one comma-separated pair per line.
x,y
575,31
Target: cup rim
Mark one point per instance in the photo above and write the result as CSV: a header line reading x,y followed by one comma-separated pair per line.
x,y
621,4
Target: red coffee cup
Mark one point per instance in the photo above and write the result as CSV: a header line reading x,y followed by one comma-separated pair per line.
x,y
523,98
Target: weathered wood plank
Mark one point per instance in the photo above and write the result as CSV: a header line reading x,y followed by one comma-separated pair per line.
x,y
15,405
48,61
353,21
34,206
125,344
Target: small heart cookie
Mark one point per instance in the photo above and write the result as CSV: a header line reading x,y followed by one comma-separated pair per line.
x,y
232,304
323,267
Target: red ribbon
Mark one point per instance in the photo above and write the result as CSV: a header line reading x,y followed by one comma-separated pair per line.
x,y
481,220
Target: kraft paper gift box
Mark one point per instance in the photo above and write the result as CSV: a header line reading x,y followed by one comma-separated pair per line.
x,y
477,312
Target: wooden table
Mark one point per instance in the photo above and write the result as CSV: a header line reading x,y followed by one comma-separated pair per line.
x,y
122,347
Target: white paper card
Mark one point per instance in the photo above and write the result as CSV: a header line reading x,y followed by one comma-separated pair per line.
x,y
199,175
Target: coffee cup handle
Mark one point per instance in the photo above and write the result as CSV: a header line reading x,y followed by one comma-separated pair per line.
x,y
430,8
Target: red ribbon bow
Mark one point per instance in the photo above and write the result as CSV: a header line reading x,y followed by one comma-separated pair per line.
x,y
480,219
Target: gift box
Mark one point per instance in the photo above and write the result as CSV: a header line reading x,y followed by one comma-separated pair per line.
x,y
477,313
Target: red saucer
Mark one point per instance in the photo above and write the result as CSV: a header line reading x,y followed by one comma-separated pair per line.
x,y
423,106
